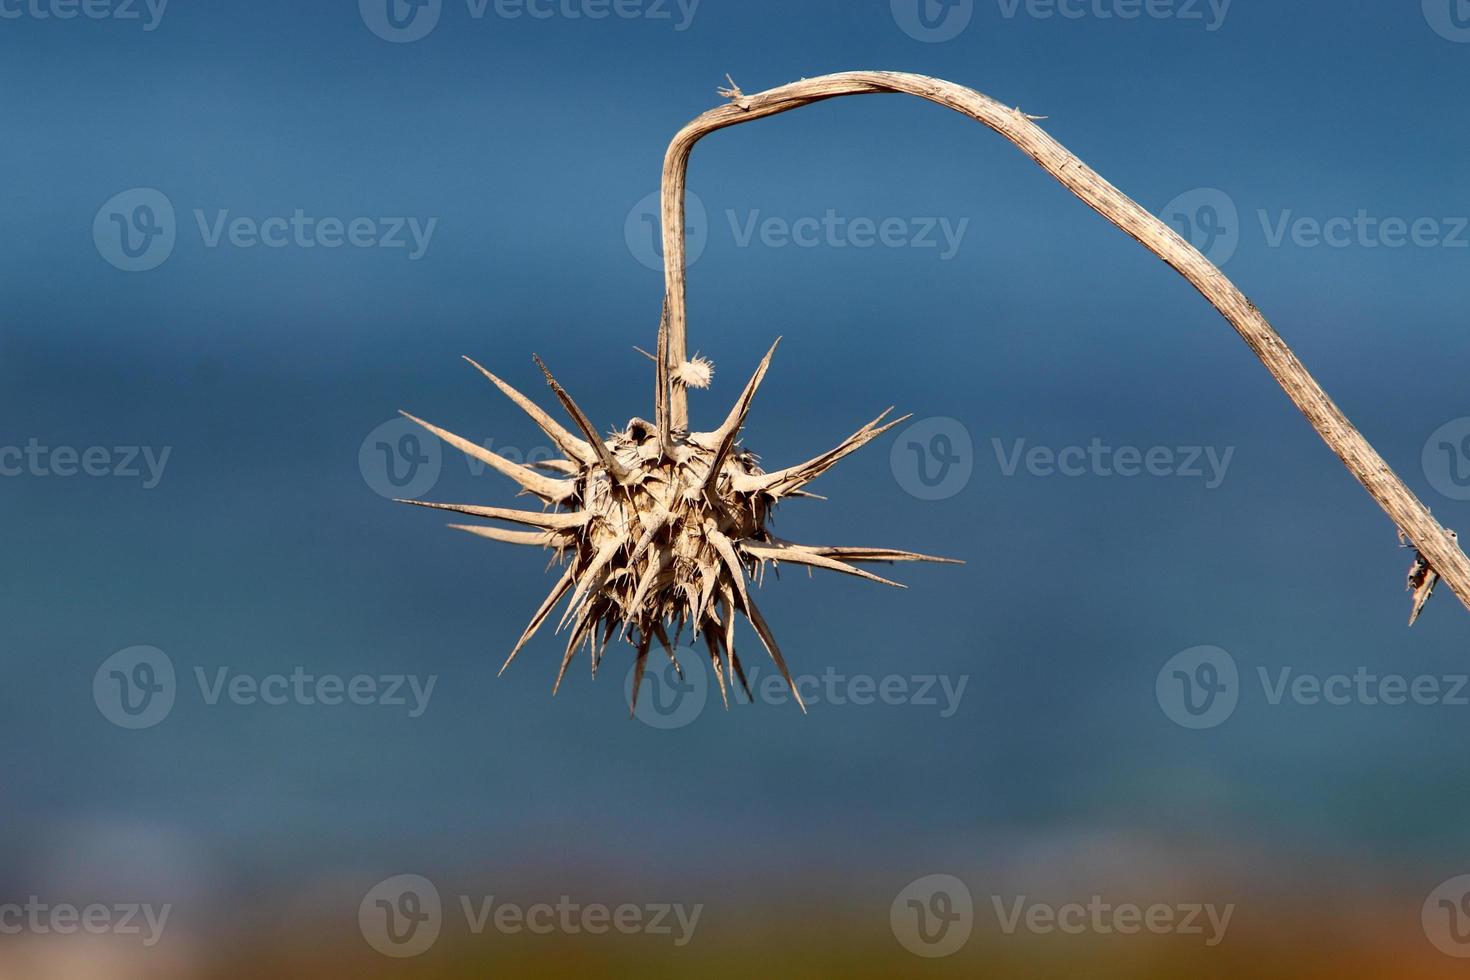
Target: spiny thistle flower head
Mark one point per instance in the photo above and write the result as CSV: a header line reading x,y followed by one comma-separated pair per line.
x,y
658,529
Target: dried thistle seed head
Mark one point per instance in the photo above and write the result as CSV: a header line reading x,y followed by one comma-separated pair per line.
x,y
656,530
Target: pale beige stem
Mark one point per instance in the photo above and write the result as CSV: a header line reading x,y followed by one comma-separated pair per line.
x,y
1432,540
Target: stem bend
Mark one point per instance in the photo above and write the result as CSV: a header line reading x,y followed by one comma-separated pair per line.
x,y
1437,545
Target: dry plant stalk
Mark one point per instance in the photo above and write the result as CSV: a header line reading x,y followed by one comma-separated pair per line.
x,y
659,527
1438,554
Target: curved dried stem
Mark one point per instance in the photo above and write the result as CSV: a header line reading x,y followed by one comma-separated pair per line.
x,y
1436,545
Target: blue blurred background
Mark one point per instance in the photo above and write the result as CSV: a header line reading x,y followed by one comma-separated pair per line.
x,y
523,148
